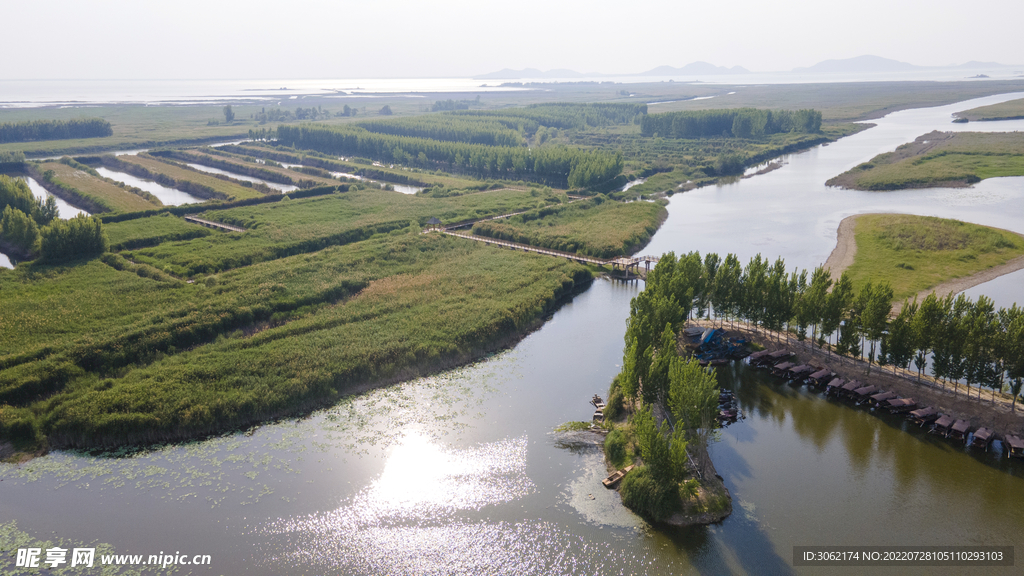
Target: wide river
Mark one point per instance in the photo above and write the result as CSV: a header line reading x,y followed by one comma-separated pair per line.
x,y
462,474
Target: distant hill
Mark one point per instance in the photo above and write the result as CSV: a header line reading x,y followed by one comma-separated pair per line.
x,y
859,64
975,65
694,69
509,74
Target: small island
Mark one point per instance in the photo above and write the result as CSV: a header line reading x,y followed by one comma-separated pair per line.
x,y
919,255
939,159
1012,110
663,408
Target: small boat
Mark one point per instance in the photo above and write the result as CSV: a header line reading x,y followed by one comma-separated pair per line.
x,y
942,422
799,372
756,357
834,386
882,397
982,438
849,387
897,405
1015,446
616,477
780,370
959,430
864,391
821,377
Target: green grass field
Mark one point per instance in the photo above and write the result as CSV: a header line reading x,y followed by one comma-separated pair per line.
x,y
1010,110
293,226
939,159
602,230
230,189
113,196
915,253
148,360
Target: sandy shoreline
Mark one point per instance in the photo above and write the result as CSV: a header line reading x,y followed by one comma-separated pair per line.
x,y
843,254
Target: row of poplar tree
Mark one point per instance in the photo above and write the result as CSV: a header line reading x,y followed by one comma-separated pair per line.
x,y
959,339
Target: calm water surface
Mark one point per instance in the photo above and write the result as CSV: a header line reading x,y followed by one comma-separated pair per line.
x,y
169,196
274,185
461,474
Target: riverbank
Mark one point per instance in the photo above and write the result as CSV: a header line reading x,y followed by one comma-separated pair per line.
x,y
994,411
939,160
941,265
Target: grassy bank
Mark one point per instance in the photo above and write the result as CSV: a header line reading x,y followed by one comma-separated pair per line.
x,y
108,352
939,159
1012,110
915,253
222,188
290,227
98,189
590,227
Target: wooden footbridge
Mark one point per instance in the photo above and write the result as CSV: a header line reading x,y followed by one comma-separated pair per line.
x,y
212,224
626,265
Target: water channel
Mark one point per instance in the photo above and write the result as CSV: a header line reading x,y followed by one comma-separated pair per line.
x,y
168,196
461,474
274,185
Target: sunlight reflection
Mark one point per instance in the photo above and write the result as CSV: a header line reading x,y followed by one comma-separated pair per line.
x,y
423,480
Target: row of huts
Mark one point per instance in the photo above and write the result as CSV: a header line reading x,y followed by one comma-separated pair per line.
x,y
782,363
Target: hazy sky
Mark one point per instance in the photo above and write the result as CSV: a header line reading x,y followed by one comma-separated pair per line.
x,y
417,38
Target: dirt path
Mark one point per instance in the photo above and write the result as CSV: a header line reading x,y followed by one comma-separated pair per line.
x,y
843,254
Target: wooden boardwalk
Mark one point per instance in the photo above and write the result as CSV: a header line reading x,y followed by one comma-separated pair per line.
x,y
211,224
621,263
527,248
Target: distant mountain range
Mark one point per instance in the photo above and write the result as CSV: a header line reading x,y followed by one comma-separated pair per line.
x,y
857,65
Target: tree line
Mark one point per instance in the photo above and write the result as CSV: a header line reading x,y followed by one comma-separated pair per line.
x,y
32,227
738,123
569,115
554,164
54,129
448,128
961,340
686,392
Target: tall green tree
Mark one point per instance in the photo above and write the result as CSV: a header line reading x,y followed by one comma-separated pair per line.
x,y
837,304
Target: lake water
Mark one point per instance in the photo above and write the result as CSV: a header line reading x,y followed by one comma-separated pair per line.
x,y
169,196
461,473
64,210
274,185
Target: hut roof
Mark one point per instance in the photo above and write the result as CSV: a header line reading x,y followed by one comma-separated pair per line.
x,y
838,382
865,390
780,354
1015,442
784,366
821,373
883,396
802,368
944,421
851,385
925,412
983,434
901,402
961,426
433,220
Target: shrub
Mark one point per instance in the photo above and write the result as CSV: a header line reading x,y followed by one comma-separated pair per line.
x,y
76,237
615,448
652,500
